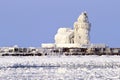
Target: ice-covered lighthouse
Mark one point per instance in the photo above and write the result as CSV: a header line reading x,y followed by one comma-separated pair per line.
x,y
82,29
78,37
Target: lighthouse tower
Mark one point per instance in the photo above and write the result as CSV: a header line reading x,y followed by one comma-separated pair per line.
x,y
82,30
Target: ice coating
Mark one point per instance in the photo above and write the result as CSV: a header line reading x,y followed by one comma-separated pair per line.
x,y
82,29
78,35
64,36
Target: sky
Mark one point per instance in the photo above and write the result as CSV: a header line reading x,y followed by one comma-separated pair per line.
x,y
29,23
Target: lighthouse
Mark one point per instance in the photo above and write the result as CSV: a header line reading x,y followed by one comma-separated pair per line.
x,y
76,37
82,30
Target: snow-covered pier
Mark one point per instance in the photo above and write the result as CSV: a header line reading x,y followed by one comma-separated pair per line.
x,y
16,51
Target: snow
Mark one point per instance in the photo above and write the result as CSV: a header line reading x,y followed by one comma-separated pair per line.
x,y
60,68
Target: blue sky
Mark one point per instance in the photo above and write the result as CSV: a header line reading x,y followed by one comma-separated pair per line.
x,y
32,22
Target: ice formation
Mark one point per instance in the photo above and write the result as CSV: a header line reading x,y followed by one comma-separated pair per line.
x,y
82,29
79,35
64,36
60,68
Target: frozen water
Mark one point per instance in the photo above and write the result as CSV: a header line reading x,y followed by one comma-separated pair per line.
x,y
60,68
